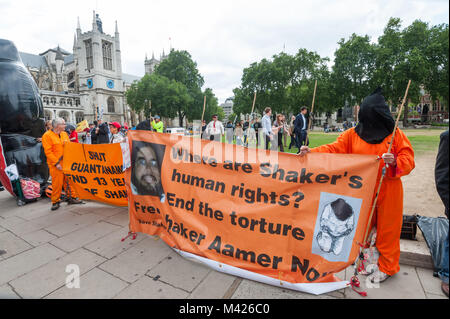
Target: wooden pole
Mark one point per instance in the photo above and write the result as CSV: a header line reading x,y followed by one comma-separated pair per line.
x,y
384,170
204,106
312,109
253,106
312,106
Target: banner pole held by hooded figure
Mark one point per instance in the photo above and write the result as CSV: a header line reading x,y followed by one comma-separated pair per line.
x,y
354,280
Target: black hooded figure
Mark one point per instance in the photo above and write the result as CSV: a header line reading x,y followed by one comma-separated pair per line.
x,y
375,119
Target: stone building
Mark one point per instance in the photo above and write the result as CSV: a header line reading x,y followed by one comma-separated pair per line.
x,y
86,84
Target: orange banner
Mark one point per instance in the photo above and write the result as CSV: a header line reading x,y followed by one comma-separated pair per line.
x,y
290,218
95,172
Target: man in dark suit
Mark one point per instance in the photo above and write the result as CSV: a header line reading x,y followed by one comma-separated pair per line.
x,y
102,133
441,178
300,127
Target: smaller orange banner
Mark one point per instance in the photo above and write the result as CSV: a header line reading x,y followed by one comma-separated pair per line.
x,y
96,172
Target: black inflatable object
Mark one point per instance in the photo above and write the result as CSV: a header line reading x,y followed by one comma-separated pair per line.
x,y
27,154
21,109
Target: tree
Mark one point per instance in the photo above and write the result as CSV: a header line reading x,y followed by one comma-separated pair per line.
x,y
180,67
353,68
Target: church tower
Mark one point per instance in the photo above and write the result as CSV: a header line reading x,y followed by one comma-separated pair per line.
x,y
99,70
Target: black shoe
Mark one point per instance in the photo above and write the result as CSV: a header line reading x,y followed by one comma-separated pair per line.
x,y
74,201
55,206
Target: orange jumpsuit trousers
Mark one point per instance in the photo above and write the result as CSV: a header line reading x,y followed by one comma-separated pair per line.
x,y
388,214
53,145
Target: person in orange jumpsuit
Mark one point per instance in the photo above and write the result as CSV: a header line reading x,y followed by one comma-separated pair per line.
x,y
372,135
53,143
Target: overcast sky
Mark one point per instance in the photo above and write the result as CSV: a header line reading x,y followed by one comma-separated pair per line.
x,y
223,37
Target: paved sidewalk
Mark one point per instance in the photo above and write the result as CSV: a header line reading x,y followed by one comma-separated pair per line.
x,y
40,244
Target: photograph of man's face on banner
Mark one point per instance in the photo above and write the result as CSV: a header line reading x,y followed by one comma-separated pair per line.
x,y
146,162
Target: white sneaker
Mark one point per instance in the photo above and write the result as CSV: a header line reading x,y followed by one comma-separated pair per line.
x,y
378,276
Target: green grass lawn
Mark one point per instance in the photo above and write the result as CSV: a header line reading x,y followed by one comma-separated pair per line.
x,y
422,141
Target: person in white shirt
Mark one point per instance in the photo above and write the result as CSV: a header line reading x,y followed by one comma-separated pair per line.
x,y
268,130
215,129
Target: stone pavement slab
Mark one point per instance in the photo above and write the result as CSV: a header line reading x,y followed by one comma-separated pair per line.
x,y
38,237
25,262
6,292
249,289
403,285
73,224
111,245
136,261
179,272
430,284
8,222
118,219
46,279
214,286
12,244
84,236
147,288
102,210
96,284
433,296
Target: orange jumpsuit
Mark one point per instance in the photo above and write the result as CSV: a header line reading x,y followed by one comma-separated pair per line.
x,y
54,149
388,214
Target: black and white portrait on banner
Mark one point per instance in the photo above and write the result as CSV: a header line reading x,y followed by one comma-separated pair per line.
x,y
335,228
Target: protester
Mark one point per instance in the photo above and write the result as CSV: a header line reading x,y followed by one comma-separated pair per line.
x,y
229,135
93,133
73,137
300,127
245,127
203,129
285,130
48,125
215,129
372,136
89,133
53,143
157,124
442,186
268,130
280,125
145,125
251,134
257,126
117,136
291,132
239,132
102,133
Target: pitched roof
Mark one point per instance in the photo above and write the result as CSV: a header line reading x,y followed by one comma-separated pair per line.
x,y
68,59
55,50
129,78
33,60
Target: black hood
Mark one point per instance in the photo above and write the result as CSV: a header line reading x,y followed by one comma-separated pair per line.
x,y
375,119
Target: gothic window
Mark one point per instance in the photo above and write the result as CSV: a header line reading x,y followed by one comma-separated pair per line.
x,y
77,102
69,102
79,116
48,115
45,99
53,100
65,115
107,55
70,76
62,101
110,105
89,56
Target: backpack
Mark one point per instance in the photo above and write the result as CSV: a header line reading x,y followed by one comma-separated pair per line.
x,y
30,188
